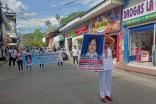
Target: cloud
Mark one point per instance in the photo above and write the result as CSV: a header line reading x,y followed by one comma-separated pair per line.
x,y
15,5
30,14
36,22
53,5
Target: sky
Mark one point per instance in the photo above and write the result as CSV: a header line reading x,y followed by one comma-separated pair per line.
x,y
32,14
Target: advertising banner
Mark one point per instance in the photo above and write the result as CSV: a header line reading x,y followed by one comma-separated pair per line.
x,y
140,12
91,53
108,22
41,58
144,55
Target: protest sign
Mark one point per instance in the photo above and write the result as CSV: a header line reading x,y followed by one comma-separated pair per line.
x,y
91,53
41,58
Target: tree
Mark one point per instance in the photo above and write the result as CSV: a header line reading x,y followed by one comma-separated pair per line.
x,y
27,39
70,17
37,38
33,39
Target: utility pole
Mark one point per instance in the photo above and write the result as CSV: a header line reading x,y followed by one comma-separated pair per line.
x,y
19,37
1,37
1,32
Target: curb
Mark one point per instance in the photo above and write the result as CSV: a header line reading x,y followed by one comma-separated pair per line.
x,y
2,63
136,69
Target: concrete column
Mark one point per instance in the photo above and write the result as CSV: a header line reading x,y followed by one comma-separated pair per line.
x,y
154,47
66,44
126,43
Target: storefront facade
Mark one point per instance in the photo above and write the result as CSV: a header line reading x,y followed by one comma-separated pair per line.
x,y
59,41
75,37
109,22
104,17
139,23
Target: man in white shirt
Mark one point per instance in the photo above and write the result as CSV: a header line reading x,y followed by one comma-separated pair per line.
x,y
75,54
14,52
12,57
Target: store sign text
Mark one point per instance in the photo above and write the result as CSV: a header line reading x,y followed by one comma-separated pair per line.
x,y
141,12
67,35
81,30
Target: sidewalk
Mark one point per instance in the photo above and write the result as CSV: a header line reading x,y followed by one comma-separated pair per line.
x,y
148,70
2,63
137,68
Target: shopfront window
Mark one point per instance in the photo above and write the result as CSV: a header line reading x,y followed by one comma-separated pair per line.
x,y
80,44
70,44
140,46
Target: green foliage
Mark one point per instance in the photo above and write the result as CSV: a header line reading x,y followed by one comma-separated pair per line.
x,y
27,39
33,39
67,19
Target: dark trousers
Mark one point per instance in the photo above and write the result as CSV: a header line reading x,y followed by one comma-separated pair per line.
x,y
75,58
60,63
11,59
41,65
20,65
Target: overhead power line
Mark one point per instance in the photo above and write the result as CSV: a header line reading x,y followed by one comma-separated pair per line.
x,y
27,18
58,7
71,2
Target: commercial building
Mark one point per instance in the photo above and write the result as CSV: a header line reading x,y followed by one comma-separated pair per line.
x,y
133,25
7,29
139,22
104,17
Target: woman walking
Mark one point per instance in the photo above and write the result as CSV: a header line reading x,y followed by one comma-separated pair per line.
x,y
105,76
60,59
42,52
19,60
28,58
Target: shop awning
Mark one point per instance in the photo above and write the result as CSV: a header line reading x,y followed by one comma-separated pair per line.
x,y
12,44
104,6
11,35
142,28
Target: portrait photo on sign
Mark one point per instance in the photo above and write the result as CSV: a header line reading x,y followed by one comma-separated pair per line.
x,y
91,53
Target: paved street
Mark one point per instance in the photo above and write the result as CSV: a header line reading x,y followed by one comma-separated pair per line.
x,y
70,86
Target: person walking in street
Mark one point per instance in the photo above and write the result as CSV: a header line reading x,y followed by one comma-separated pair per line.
x,y
12,57
75,54
28,58
42,52
105,76
19,60
60,59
